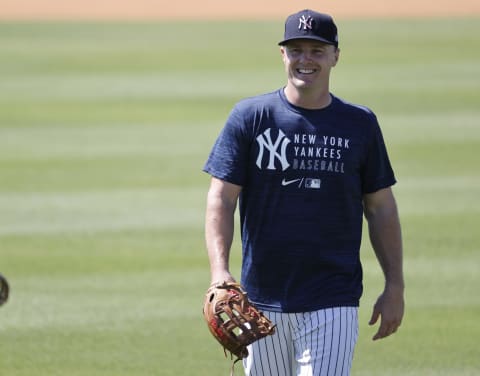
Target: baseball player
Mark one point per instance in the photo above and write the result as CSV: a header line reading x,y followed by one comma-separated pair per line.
x,y
305,166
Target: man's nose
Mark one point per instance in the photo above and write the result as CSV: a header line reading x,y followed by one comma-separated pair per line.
x,y
305,56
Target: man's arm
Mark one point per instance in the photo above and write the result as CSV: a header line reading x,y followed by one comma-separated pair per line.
x,y
219,227
385,235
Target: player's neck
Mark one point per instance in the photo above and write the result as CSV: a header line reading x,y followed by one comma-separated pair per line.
x,y
308,98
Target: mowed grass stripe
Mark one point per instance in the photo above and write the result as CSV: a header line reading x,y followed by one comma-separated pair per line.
x,y
91,141
135,85
100,211
99,300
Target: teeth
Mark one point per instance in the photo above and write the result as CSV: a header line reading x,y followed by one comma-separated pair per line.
x,y
306,71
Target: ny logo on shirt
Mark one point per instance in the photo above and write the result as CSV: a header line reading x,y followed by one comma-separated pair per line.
x,y
276,149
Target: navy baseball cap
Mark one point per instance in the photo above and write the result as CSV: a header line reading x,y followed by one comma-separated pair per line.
x,y
308,24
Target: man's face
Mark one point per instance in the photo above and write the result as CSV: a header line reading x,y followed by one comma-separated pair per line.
x,y
308,62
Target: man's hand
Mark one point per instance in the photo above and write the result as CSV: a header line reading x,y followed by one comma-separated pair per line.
x,y
389,308
219,277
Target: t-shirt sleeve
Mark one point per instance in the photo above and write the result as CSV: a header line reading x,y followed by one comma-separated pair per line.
x,y
228,158
377,172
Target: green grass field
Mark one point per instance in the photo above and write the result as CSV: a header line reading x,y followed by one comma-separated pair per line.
x,y
104,129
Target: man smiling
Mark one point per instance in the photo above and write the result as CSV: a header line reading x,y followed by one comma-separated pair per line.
x,y
308,64
305,167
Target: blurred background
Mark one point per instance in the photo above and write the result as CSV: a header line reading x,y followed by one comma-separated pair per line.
x,y
218,9
108,111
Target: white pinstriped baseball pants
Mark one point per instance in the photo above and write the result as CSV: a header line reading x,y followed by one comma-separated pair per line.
x,y
318,343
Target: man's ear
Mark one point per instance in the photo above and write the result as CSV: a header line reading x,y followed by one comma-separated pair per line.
x,y
283,52
337,55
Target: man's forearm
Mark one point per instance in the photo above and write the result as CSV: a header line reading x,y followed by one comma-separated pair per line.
x,y
219,229
385,236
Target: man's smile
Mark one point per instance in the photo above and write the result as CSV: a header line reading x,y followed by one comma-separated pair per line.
x,y
306,71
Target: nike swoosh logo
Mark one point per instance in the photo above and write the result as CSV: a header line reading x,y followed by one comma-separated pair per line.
x,y
288,182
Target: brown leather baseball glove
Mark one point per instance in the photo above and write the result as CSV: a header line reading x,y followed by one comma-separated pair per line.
x,y
4,289
233,320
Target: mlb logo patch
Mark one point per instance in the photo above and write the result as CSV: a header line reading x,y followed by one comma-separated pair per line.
x,y
312,183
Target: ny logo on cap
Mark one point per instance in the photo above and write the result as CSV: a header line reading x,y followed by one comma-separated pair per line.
x,y
306,22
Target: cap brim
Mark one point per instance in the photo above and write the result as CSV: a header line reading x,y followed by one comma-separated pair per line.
x,y
285,41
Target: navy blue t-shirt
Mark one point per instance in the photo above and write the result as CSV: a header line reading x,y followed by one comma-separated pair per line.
x,y
303,174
